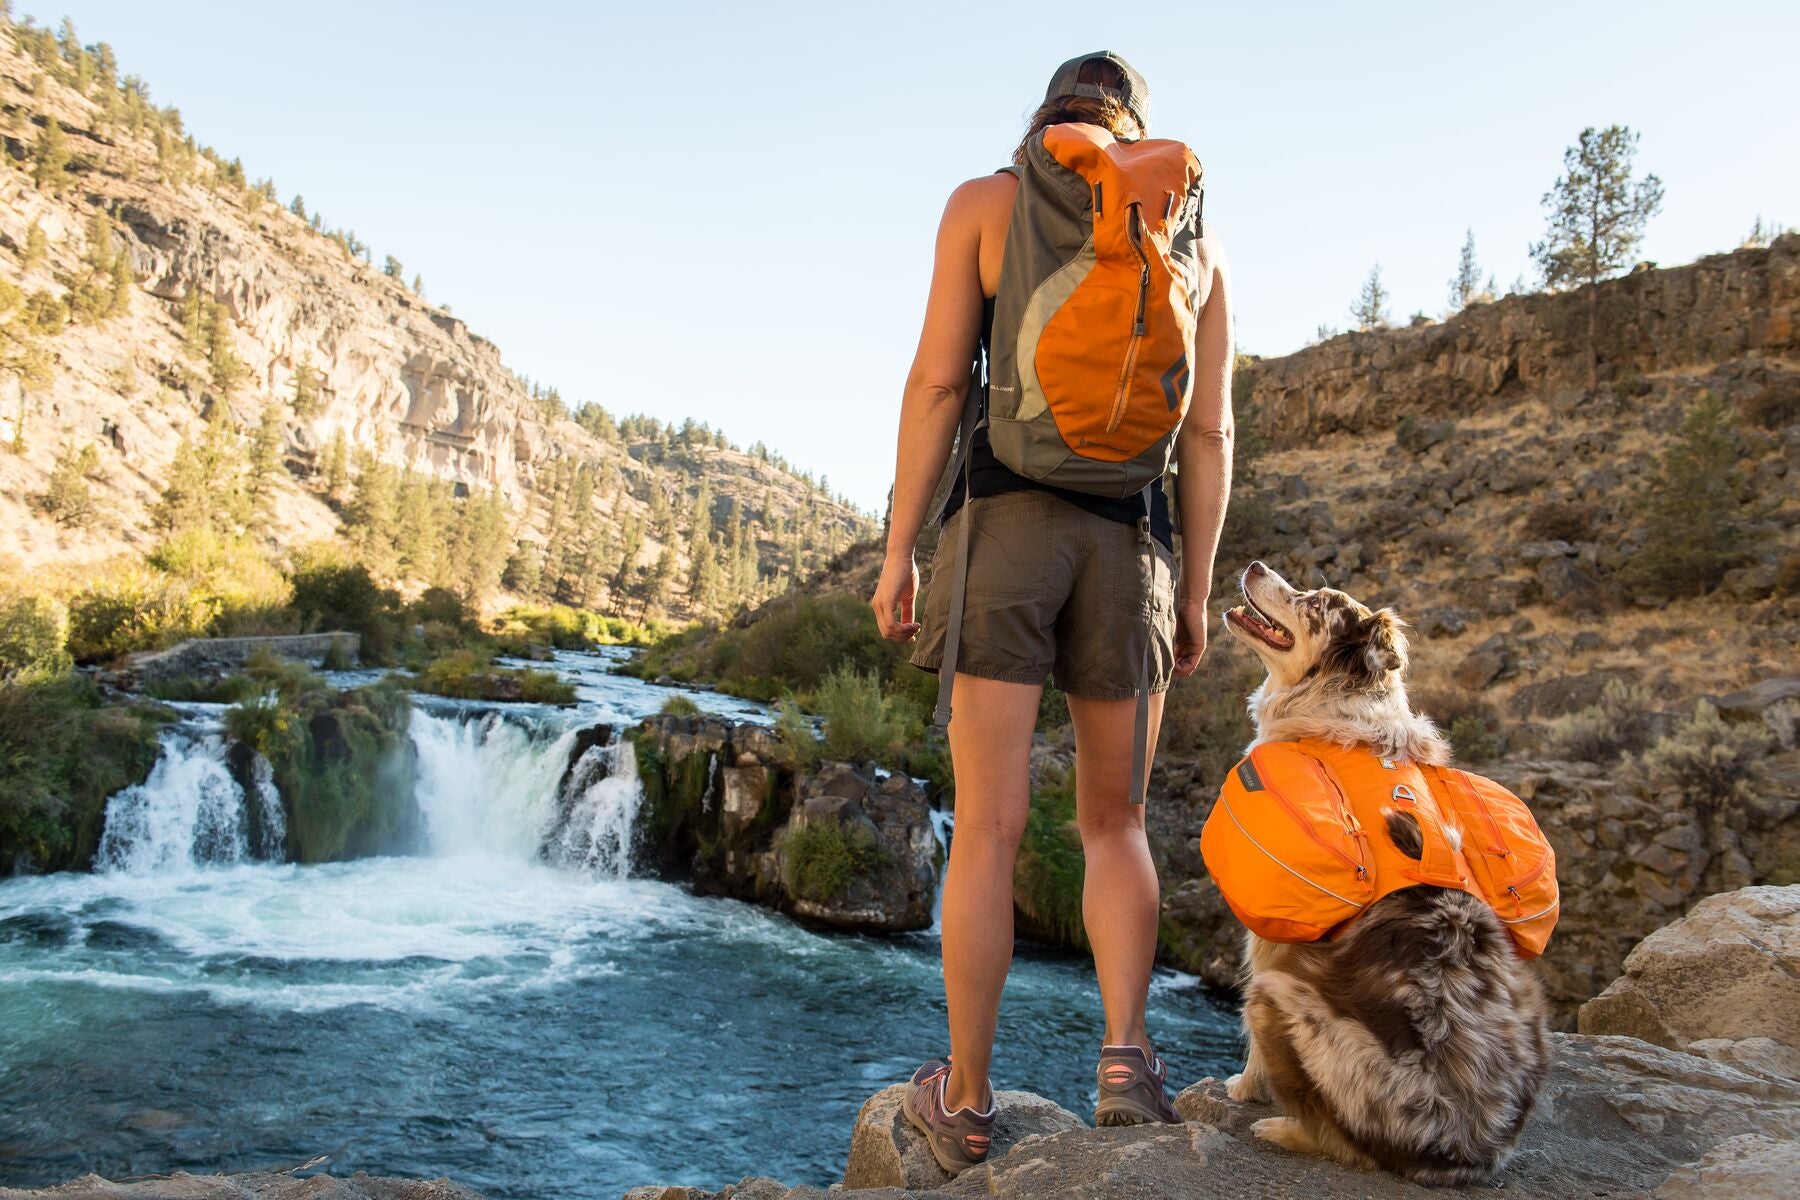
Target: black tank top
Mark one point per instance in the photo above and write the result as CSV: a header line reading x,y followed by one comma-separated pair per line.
x,y
988,476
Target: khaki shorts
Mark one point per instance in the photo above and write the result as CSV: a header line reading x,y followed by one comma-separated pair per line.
x,y
1053,590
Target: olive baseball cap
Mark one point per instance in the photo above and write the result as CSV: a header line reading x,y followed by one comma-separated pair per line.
x,y
1135,95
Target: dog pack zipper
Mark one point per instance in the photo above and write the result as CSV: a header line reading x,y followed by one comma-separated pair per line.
x,y
1501,849
1311,830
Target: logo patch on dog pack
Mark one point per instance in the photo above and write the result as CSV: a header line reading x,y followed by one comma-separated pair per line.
x,y
1246,771
1389,764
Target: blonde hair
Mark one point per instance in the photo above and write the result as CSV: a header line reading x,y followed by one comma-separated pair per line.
x,y
1103,111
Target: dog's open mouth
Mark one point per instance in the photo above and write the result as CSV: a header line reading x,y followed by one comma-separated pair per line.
x,y
1251,620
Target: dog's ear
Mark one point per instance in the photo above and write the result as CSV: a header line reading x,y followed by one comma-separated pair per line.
x,y
1384,647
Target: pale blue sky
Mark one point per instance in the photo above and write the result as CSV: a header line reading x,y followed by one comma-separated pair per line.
x,y
726,211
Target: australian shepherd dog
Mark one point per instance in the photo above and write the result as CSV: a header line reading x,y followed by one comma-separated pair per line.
x,y
1416,1040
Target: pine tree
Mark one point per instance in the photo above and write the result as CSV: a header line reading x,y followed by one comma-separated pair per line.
x,y
193,320
206,486
392,269
228,370
265,467
372,515
524,572
298,206
1465,286
123,283
418,286
1371,308
37,247
306,392
337,467
50,162
1597,218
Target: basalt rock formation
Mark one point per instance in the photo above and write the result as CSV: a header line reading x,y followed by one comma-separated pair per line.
x,y
841,846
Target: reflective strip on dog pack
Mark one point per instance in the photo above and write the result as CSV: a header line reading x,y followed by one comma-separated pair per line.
x,y
1298,844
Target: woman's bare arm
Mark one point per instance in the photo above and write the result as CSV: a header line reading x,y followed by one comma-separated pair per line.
x,y
931,406
1203,454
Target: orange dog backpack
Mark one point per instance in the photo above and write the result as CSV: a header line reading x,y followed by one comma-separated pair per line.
x,y
1090,371
1298,842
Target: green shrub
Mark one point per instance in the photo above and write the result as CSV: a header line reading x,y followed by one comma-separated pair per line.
x,y
1050,873
545,687
794,644
1472,740
232,689
33,636
338,656
861,721
1625,721
63,751
800,746
330,592
569,628
1559,521
679,706
824,856
1706,762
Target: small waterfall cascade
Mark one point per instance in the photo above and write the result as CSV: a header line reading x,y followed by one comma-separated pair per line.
x,y
493,785
943,823
190,812
599,802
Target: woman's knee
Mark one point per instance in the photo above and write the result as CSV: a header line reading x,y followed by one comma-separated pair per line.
x,y
993,831
1109,820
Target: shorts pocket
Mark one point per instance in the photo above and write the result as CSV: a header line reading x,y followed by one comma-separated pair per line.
x,y
1143,584
1009,546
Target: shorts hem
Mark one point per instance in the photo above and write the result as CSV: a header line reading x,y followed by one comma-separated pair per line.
x,y
1156,689
997,676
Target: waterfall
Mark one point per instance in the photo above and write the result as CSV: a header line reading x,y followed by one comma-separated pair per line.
x,y
943,824
488,785
189,812
600,799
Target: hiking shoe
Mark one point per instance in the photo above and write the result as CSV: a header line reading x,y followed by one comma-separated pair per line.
x,y
1131,1088
959,1139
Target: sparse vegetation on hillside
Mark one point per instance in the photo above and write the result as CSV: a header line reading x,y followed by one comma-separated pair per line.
x,y
1693,507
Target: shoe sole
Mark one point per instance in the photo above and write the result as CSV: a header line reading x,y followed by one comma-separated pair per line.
x,y
1119,1111
931,1144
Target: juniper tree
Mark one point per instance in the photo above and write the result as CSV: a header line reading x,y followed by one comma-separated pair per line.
x,y
1597,218
1693,516
67,499
1371,308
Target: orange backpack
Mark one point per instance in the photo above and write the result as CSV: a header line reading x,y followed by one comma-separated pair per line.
x,y
1298,842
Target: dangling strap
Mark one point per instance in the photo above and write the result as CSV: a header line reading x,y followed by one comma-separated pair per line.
x,y
959,562
1140,723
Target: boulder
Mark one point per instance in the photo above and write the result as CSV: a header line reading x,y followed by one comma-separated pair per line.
x,y
1484,664
1752,702
1567,693
1722,982
885,1151
1750,1167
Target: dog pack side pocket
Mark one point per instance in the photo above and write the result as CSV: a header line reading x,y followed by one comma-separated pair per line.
x,y
1513,863
1283,849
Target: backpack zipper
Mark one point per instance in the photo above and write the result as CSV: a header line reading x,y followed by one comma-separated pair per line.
x,y
1135,234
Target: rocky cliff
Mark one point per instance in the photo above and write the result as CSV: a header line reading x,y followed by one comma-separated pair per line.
x,y
319,336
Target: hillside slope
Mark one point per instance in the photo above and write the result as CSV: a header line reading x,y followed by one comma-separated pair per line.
x,y
320,337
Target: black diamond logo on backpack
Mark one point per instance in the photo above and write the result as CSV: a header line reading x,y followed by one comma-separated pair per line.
x,y
1175,382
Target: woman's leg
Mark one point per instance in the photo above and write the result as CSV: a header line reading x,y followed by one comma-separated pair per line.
x,y
1120,902
990,749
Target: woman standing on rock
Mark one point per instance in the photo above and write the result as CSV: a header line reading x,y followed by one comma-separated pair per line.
x,y
1085,278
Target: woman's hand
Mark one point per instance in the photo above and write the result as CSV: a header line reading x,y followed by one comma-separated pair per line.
x,y
1190,635
894,595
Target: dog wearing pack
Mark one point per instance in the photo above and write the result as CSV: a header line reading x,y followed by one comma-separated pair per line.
x,y
1398,1024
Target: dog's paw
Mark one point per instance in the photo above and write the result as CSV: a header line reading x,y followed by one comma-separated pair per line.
x,y
1245,1090
1285,1132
